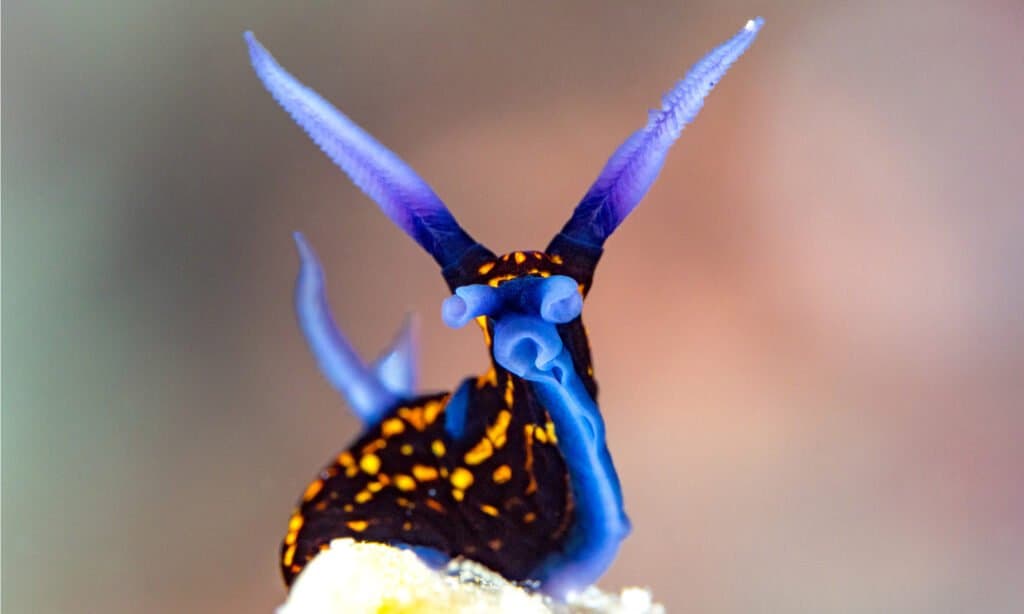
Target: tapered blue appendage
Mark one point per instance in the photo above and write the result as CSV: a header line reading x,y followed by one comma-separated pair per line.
x,y
338,361
401,194
397,369
632,169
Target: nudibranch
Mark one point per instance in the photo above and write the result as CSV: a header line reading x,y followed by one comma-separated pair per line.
x,y
511,469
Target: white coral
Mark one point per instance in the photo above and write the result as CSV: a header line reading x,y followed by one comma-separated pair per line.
x,y
359,577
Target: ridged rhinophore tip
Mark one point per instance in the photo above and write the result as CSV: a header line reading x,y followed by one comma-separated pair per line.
x,y
754,24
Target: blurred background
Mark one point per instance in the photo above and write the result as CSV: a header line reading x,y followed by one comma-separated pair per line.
x,y
809,338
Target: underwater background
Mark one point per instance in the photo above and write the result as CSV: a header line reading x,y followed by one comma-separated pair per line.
x,y
809,337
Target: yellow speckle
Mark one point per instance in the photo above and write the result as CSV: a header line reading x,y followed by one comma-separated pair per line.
x,y
444,472
289,555
497,431
348,507
520,257
406,449
370,463
485,268
590,370
363,496
509,393
345,459
391,427
437,447
404,482
494,282
407,526
502,474
458,495
357,525
290,538
312,490
295,522
529,517
556,259
549,427
424,473
461,478
321,506
351,471
480,452
374,486
403,502
490,510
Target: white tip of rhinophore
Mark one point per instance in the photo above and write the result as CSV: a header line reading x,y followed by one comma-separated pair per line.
x,y
753,25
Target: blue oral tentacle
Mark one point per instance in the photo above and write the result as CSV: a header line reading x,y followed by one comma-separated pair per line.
x,y
336,357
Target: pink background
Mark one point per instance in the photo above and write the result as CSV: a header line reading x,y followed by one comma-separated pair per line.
x,y
809,337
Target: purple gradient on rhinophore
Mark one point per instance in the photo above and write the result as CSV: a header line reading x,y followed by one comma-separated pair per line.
x,y
397,368
401,194
469,302
336,357
634,166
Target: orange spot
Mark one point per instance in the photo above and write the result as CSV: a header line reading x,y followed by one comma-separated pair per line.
x,y
407,526
312,490
461,478
370,463
431,410
458,495
363,496
490,510
529,517
345,459
351,471
531,487
423,473
414,416
480,452
406,449
357,525
502,474
374,486
434,505
404,482
489,378
384,479
540,434
520,257
289,555
391,427
549,427
495,544
321,506
485,268
437,447
556,258
348,507
509,393
497,432
295,522
373,446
